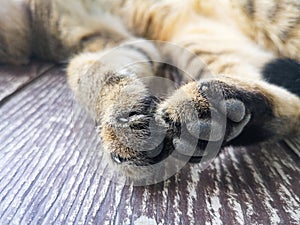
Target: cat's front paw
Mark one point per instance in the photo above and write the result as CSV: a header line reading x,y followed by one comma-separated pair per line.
x,y
215,112
131,137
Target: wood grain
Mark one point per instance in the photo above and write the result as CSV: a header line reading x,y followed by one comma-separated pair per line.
x,y
52,172
12,78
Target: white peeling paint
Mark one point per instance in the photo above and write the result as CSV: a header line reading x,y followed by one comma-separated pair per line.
x,y
191,190
212,199
291,203
144,220
294,145
271,211
177,203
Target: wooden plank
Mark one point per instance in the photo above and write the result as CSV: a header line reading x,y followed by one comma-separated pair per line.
x,y
52,172
13,78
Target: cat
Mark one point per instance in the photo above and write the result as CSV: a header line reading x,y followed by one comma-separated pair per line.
x,y
251,47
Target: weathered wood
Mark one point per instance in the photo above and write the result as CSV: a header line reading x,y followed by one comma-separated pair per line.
x,y
13,78
52,172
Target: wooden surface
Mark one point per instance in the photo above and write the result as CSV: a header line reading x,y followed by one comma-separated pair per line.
x,y
51,169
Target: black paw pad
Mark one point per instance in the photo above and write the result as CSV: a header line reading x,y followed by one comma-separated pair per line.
x,y
284,73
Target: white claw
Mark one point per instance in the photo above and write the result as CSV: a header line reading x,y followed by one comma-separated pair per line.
x,y
124,120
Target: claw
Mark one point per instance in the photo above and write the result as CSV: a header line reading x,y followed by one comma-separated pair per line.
x,y
116,158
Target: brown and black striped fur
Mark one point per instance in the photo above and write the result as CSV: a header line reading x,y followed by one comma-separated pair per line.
x,y
251,47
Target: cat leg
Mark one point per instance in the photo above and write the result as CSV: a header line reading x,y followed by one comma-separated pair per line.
x,y
110,84
231,111
240,90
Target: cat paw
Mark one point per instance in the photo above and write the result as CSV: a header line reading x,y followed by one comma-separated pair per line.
x,y
213,111
131,137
